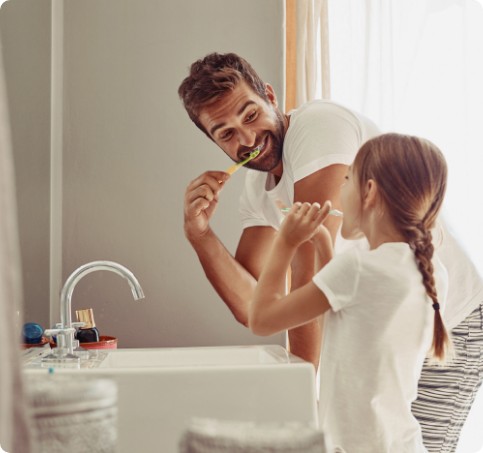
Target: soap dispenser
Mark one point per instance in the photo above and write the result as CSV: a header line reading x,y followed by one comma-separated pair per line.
x,y
88,333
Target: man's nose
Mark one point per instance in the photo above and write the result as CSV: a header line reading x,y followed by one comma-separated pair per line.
x,y
247,137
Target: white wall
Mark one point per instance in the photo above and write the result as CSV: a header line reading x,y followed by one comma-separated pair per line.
x,y
129,150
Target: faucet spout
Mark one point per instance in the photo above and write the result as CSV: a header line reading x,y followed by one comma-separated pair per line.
x,y
79,273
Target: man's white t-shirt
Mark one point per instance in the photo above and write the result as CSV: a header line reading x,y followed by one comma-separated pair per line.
x,y
465,290
376,337
321,133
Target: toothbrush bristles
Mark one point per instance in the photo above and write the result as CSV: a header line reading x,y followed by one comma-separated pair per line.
x,y
336,213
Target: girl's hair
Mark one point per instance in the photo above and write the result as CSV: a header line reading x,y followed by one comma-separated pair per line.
x,y
411,175
214,76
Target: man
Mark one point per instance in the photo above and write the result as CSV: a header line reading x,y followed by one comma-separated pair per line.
x,y
304,157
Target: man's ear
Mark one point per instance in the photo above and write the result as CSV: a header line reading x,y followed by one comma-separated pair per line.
x,y
270,92
370,194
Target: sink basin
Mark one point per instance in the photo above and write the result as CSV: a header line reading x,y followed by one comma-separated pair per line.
x,y
196,357
161,389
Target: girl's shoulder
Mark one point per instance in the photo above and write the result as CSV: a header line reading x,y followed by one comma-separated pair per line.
x,y
388,250
391,259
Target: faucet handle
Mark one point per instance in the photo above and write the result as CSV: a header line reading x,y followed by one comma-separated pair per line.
x,y
62,331
64,340
59,325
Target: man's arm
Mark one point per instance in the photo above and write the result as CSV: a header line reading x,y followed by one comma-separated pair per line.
x,y
321,186
305,341
233,278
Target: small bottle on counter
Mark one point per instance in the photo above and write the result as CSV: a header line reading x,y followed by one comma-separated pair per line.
x,y
32,333
88,333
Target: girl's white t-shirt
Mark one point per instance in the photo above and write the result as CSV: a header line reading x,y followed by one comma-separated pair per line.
x,y
375,340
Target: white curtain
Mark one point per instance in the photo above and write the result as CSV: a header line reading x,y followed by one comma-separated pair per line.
x,y
14,427
416,67
312,58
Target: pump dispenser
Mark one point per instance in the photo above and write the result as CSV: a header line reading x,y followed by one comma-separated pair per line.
x,y
88,333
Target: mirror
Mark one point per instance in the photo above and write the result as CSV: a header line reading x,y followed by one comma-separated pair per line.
x,y
103,151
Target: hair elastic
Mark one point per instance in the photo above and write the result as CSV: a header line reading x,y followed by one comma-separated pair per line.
x,y
436,306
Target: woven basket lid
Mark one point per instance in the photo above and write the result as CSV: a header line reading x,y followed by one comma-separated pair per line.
x,y
218,436
56,394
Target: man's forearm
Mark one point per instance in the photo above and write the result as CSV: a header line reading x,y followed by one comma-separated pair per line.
x,y
233,283
305,341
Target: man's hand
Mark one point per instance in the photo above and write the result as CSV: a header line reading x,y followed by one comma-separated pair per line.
x,y
200,201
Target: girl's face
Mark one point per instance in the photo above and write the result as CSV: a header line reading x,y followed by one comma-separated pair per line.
x,y
350,198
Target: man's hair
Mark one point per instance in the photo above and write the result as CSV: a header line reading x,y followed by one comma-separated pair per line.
x,y
411,175
213,77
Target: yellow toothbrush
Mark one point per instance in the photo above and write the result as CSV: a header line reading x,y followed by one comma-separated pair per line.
x,y
238,165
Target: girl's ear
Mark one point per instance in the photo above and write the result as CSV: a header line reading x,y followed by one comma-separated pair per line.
x,y
272,97
370,194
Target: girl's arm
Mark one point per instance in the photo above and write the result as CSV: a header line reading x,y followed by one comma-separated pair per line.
x,y
271,310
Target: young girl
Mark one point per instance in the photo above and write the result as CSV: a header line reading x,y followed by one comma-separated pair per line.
x,y
382,305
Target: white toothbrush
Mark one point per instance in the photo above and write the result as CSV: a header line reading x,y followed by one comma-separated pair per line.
x,y
334,212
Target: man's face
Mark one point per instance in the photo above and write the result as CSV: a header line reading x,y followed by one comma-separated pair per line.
x,y
241,120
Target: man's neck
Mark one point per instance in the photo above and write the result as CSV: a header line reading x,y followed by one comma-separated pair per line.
x,y
277,172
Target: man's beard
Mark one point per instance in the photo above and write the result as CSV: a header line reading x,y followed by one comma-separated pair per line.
x,y
270,157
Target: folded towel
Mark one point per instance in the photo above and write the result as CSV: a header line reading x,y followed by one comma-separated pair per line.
x,y
205,435
74,415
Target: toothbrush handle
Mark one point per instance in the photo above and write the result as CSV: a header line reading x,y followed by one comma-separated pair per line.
x,y
233,168
236,166
334,212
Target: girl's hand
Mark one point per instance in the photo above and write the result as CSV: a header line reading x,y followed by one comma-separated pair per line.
x,y
303,222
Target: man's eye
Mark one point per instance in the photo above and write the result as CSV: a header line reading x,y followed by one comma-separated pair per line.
x,y
225,135
251,117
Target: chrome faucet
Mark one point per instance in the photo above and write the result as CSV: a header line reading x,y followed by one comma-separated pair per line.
x,y
66,329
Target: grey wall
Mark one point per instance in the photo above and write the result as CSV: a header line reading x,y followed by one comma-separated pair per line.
x,y
128,152
25,27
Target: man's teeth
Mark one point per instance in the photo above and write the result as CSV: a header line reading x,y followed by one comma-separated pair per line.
x,y
260,147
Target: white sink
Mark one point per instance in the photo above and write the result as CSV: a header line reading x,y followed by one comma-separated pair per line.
x,y
160,390
196,357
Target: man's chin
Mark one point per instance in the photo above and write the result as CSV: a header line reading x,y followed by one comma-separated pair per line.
x,y
262,167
